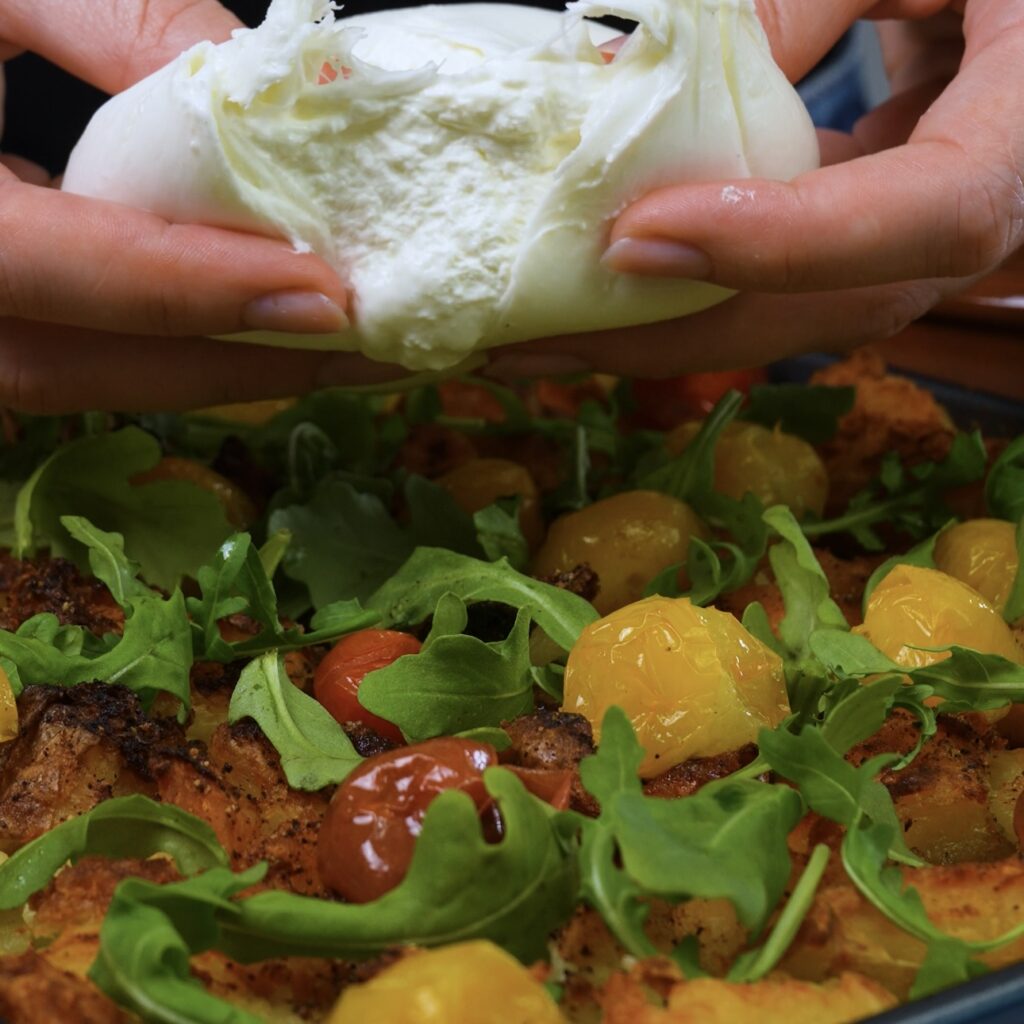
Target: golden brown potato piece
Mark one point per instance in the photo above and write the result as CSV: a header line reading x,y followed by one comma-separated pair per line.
x,y
76,747
774,1000
68,914
889,414
239,788
34,992
844,932
942,798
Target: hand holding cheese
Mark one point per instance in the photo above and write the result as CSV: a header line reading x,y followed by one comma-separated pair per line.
x,y
113,277
460,165
922,199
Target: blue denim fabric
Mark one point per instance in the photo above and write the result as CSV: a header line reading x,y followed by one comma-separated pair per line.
x,y
834,91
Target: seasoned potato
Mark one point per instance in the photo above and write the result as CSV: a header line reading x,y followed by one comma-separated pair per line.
x,y
774,1000
238,506
778,468
692,681
626,539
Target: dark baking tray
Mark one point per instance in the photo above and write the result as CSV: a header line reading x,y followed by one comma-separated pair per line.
x,y
997,998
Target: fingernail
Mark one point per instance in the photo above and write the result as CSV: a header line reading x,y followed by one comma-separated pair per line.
x,y
657,256
295,313
533,364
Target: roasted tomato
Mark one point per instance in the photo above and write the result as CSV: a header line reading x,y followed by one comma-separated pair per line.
x,y
692,681
661,404
777,468
468,983
626,539
983,554
369,833
238,506
913,611
350,660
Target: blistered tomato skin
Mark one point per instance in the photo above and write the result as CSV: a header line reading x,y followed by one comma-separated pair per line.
x,y
692,681
983,554
626,539
777,468
349,661
915,608
478,483
369,832
467,983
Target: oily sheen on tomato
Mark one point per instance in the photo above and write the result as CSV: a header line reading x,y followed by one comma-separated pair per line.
x,y
350,660
369,833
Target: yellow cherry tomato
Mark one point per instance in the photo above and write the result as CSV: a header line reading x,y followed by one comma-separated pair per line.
x,y
8,709
778,468
983,554
238,506
626,539
477,483
468,983
916,608
692,681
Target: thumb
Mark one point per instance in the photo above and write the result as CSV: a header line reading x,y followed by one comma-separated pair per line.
x,y
69,260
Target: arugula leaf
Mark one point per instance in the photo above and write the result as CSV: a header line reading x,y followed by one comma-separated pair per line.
x,y
909,500
966,681
237,582
315,752
754,964
148,935
170,526
125,826
808,411
154,654
454,683
411,594
107,560
692,847
459,887
345,544
1004,489
691,475
436,521
809,608
499,534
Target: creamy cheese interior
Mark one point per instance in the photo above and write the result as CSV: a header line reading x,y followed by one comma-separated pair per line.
x,y
462,167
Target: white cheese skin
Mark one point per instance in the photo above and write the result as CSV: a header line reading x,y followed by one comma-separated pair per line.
x,y
462,170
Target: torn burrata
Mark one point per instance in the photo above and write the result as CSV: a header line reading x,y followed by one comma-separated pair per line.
x,y
459,165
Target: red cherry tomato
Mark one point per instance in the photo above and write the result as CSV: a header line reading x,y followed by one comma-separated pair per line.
x,y
663,404
368,836
337,678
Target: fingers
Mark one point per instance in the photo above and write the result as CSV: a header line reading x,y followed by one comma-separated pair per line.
x,y
113,43
948,204
723,338
70,260
801,32
47,370
27,171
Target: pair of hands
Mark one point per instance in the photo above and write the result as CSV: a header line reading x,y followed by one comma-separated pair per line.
x,y
106,307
